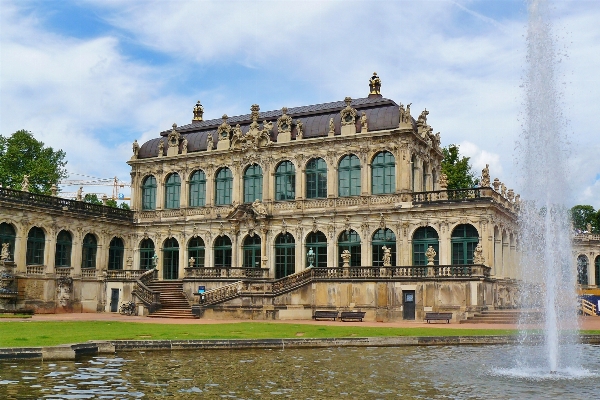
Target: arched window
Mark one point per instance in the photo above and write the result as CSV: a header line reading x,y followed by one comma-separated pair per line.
x,y
582,270
252,252
36,240
317,241
64,243
349,240
422,239
383,237
172,191
383,171
147,254
223,185
170,259
8,235
285,181
285,255
316,179
197,189
464,241
222,252
349,176
253,182
149,193
116,250
196,250
88,251
597,266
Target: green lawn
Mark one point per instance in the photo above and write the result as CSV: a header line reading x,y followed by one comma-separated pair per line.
x,y
34,334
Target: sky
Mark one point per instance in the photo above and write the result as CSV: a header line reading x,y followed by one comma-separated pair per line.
x,y
90,76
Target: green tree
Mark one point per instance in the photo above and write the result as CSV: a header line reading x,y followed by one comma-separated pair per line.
x,y
92,198
124,206
21,154
457,168
111,203
581,215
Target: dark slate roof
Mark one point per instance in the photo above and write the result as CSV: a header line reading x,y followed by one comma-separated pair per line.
x,y
381,113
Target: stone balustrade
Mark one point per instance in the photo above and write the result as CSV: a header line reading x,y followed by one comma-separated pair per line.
x,y
202,272
89,273
36,270
63,272
124,274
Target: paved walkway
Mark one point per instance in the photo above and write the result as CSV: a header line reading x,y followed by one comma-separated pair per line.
x,y
585,323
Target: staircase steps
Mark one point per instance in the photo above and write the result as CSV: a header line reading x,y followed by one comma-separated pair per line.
x,y
173,302
510,317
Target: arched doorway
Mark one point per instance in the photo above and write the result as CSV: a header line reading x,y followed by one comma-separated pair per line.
x,y
317,241
285,255
170,259
349,240
464,241
222,252
383,237
147,254
88,251
422,239
251,252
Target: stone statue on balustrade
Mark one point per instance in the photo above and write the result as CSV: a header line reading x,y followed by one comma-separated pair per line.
x,y
25,184
310,256
346,258
478,257
191,262
79,195
387,256
5,254
155,260
129,262
136,149
430,254
485,176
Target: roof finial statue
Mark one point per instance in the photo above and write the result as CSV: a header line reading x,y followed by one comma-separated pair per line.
x,y
375,84
198,112
254,112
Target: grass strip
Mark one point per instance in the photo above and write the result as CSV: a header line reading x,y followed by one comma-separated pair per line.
x,y
47,333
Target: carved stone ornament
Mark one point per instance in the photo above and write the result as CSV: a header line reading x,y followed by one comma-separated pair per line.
x,y
485,176
443,181
381,221
405,118
348,114
375,84
331,131
25,183
136,149
224,129
210,141
478,255
299,130
347,225
430,254
422,120
221,229
496,184
64,288
387,256
259,208
256,137
174,137
284,123
503,190
284,227
191,262
364,124
198,112
161,148
346,258
315,227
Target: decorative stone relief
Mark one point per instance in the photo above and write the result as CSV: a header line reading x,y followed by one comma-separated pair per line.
x,y
223,133
299,130
331,131
64,288
284,127
161,148
256,137
173,142
364,127
348,116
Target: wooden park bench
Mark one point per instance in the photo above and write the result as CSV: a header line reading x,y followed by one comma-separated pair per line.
x,y
438,316
352,315
325,315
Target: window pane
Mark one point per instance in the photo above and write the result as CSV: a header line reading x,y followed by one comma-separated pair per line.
x,y
198,189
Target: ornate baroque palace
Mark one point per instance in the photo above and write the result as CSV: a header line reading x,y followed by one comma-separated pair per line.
x,y
339,206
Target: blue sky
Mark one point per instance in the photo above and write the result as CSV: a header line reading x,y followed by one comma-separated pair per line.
x,y
91,76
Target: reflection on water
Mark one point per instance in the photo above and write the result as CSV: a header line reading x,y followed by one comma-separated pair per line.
x,y
450,372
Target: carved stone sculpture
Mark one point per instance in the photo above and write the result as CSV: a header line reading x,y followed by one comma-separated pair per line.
x,y
496,184
503,190
387,256
64,287
184,145
346,258
310,256
510,195
5,254
348,118
259,208
53,190
430,254
331,128
284,127
443,181
299,130
422,120
198,112
364,123
223,133
191,262
210,142
485,176
161,148
136,149
173,141
25,183
79,195
478,255
374,84
129,262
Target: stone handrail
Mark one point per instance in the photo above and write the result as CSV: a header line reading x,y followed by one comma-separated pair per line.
x,y
292,282
88,272
586,236
36,270
62,271
149,297
124,274
221,294
204,272
451,195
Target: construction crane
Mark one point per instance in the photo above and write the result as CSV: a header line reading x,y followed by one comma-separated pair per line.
x,y
92,181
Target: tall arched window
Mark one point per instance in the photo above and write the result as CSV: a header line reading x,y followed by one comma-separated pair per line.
x,y
464,241
285,181
349,176
582,270
597,267
170,259
147,254
172,191
383,171
317,241
64,244
285,255
149,193
253,182
196,250
197,189
349,240
383,237
222,252
116,251
252,252
8,235
36,239
422,239
223,185
88,251
316,179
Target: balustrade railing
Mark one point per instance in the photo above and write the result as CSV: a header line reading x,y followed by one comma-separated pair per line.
x,y
292,281
36,270
202,272
124,274
88,272
149,297
62,271
222,293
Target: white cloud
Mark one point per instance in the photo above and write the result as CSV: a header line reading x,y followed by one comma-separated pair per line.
x,y
479,159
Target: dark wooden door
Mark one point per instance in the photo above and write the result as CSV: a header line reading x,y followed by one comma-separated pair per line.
x,y
408,297
114,300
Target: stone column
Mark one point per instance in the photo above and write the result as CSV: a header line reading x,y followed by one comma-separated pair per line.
x,y
300,183
160,192
182,258
76,250
237,195
50,253
445,242
20,255
365,187
268,192
331,180
210,189
184,193
234,250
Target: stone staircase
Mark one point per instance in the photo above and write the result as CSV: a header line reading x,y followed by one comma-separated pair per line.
x,y
510,317
172,299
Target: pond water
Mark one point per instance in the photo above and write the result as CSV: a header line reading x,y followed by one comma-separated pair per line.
x,y
449,372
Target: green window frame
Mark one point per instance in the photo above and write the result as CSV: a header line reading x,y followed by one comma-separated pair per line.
x,y
8,235
197,189
222,251
316,179
383,237
285,181
149,193
64,244
383,173
464,241
317,241
251,250
349,176
170,259
423,238
253,183
582,269
285,255
89,249
223,187
172,191
349,240
146,254
36,241
597,268
196,249
116,251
